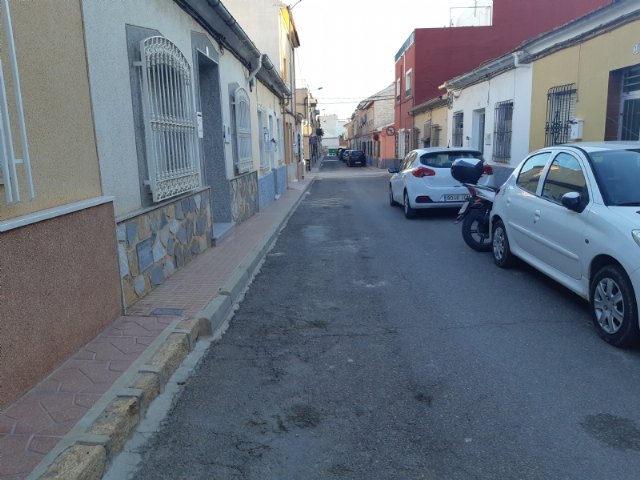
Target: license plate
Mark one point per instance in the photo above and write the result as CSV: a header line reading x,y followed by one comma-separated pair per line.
x,y
463,208
455,198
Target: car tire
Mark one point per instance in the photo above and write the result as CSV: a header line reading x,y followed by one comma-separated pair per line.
x,y
474,233
392,202
409,212
502,255
613,307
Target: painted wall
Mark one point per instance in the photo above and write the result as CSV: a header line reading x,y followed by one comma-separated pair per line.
x,y
259,18
111,91
57,106
513,85
437,116
588,66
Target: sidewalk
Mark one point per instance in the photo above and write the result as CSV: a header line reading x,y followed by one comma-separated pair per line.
x,y
70,424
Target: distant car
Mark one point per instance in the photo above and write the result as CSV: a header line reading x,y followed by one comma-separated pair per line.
x,y
345,155
424,179
357,157
571,211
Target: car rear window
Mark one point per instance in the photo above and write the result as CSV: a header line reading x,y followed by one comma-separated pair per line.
x,y
357,153
618,175
445,159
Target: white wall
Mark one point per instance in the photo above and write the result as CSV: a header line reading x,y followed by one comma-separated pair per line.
x,y
110,85
513,85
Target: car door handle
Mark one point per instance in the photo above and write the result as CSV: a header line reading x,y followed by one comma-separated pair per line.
x,y
536,216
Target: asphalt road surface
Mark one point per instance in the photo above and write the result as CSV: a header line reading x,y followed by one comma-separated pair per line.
x,y
375,347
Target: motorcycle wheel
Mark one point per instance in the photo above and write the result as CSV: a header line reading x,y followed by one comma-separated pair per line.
x,y
475,230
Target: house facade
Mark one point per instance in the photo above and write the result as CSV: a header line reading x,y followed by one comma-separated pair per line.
x,y
271,25
430,56
175,118
578,82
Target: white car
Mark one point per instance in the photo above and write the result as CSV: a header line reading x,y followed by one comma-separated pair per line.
x,y
573,212
424,180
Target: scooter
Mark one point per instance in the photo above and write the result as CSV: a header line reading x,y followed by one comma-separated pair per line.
x,y
475,216
475,212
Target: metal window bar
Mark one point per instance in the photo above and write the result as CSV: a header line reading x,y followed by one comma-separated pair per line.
x,y
170,119
630,120
631,80
502,131
241,106
561,103
7,153
458,128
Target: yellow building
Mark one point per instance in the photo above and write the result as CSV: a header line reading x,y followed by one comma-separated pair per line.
x,y
588,89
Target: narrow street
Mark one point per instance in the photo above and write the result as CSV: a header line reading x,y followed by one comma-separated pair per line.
x,y
374,347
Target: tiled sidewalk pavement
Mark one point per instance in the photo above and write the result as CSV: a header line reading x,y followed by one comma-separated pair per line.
x,y
33,425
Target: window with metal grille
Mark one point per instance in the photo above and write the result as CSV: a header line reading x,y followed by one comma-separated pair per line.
x,y
435,135
426,134
242,115
458,128
170,120
561,105
630,119
502,131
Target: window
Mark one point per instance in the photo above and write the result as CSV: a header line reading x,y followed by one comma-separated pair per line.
x,y
170,120
426,134
565,175
458,128
8,163
502,131
435,135
242,118
561,105
630,120
446,159
529,174
398,89
407,83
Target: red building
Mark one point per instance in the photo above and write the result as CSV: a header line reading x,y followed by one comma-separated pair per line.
x,y
430,56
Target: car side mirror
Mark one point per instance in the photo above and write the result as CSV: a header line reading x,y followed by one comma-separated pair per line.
x,y
393,170
572,201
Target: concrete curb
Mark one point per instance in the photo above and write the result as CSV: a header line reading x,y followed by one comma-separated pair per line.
x,y
86,451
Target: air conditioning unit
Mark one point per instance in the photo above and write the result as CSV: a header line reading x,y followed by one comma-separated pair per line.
x,y
576,128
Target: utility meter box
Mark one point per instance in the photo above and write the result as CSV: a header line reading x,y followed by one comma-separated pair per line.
x,y
576,128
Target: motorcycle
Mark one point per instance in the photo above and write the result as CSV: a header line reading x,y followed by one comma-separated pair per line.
x,y
475,212
475,216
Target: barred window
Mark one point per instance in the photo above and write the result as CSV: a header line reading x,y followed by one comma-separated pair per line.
x,y
170,120
435,135
502,131
561,106
242,115
458,128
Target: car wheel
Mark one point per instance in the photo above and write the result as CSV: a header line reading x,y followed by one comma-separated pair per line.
x,y
409,212
475,230
502,255
613,307
392,202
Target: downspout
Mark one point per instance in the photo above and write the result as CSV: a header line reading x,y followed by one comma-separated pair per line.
x,y
255,71
516,60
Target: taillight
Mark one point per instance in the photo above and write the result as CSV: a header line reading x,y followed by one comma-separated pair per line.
x,y
423,172
472,191
487,169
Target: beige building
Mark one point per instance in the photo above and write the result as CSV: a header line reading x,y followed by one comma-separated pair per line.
x,y
430,120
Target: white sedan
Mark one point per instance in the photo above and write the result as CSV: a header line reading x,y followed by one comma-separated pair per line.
x,y
572,212
424,180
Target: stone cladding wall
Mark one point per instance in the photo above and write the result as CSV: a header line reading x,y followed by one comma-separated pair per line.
x,y
244,197
153,244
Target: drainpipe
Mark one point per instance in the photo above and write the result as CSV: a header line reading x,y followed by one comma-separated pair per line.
x,y
516,60
255,71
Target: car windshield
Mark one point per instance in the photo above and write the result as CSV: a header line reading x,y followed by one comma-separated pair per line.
x,y
618,175
445,159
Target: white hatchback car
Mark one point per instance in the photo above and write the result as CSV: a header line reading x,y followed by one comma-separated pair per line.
x,y
424,180
572,212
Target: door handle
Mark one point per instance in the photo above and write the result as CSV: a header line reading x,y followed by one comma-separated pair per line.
x,y
536,216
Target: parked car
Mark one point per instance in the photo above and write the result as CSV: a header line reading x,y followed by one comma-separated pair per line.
x,y
339,153
571,211
357,157
345,155
424,179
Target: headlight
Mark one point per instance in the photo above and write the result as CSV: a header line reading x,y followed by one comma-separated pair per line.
x,y
636,236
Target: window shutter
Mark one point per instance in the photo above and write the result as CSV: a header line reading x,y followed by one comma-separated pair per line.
x,y
244,160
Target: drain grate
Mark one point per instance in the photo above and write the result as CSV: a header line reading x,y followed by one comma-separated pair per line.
x,y
175,312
